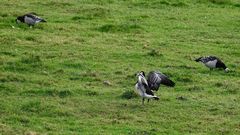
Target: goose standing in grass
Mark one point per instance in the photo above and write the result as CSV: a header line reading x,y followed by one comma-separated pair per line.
x,y
31,19
155,78
212,62
143,89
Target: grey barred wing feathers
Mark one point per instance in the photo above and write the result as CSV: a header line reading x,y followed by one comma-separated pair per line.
x,y
156,78
165,80
209,58
35,18
206,59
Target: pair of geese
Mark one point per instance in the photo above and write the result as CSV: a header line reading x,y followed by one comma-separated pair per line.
x,y
145,87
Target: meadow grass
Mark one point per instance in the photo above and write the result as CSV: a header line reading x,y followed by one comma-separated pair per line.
x,y
52,75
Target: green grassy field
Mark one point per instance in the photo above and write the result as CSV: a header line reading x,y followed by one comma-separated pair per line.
x,y
52,76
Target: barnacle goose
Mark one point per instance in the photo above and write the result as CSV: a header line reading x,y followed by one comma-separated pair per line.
x,y
145,87
31,19
212,62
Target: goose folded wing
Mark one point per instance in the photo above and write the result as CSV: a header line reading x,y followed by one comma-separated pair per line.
x,y
210,58
34,17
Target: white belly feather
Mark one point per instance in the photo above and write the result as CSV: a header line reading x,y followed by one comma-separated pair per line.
x,y
137,90
29,20
211,64
141,92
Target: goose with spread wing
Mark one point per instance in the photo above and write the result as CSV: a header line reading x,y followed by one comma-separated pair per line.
x,y
145,87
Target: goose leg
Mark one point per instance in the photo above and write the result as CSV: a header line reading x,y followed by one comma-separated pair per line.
x,y
148,100
211,70
143,101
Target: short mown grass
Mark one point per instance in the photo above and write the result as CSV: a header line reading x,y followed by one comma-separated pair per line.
x,y
76,73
